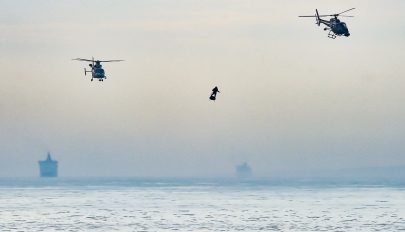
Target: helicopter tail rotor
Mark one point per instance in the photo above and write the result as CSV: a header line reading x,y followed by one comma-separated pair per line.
x,y
85,71
318,19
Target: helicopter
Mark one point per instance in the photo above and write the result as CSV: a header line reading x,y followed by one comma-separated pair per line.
x,y
333,25
97,70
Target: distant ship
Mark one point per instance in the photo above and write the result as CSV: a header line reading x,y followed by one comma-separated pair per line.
x,y
48,167
243,171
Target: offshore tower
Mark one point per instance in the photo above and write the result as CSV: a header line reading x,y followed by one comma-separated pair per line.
x,y
48,167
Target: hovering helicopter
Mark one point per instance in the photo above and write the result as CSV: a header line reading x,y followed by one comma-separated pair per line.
x,y
97,70
333,25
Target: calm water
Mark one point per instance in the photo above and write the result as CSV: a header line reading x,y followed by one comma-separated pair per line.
x,y
198,205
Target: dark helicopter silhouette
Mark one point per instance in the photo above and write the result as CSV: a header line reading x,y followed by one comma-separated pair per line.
x,y
97,70
333,25
213,96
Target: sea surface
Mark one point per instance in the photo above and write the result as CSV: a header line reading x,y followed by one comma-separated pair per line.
x,y
130,204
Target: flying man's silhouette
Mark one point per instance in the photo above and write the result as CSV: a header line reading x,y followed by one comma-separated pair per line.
x,y
214,93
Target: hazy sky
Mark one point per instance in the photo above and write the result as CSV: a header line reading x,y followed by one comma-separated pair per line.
x,y
292,100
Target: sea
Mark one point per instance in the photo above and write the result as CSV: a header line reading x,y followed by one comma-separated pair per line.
x,y
158,204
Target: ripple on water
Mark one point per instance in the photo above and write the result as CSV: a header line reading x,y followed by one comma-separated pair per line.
x,y
218,209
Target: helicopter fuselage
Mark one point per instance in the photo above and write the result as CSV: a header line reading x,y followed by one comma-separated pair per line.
x,y
336,26
97,71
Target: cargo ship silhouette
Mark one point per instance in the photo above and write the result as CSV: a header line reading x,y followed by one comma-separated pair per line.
x,y
48,167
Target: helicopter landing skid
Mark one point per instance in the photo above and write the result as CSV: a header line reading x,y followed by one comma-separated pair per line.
x,y
331,35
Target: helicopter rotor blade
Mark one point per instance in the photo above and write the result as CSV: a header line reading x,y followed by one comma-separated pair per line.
x,y
317,15
110,60
93,61
351,16
345,11
331,15
314,16
80,59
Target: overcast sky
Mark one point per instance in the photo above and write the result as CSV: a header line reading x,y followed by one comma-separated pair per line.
x,y
292,100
